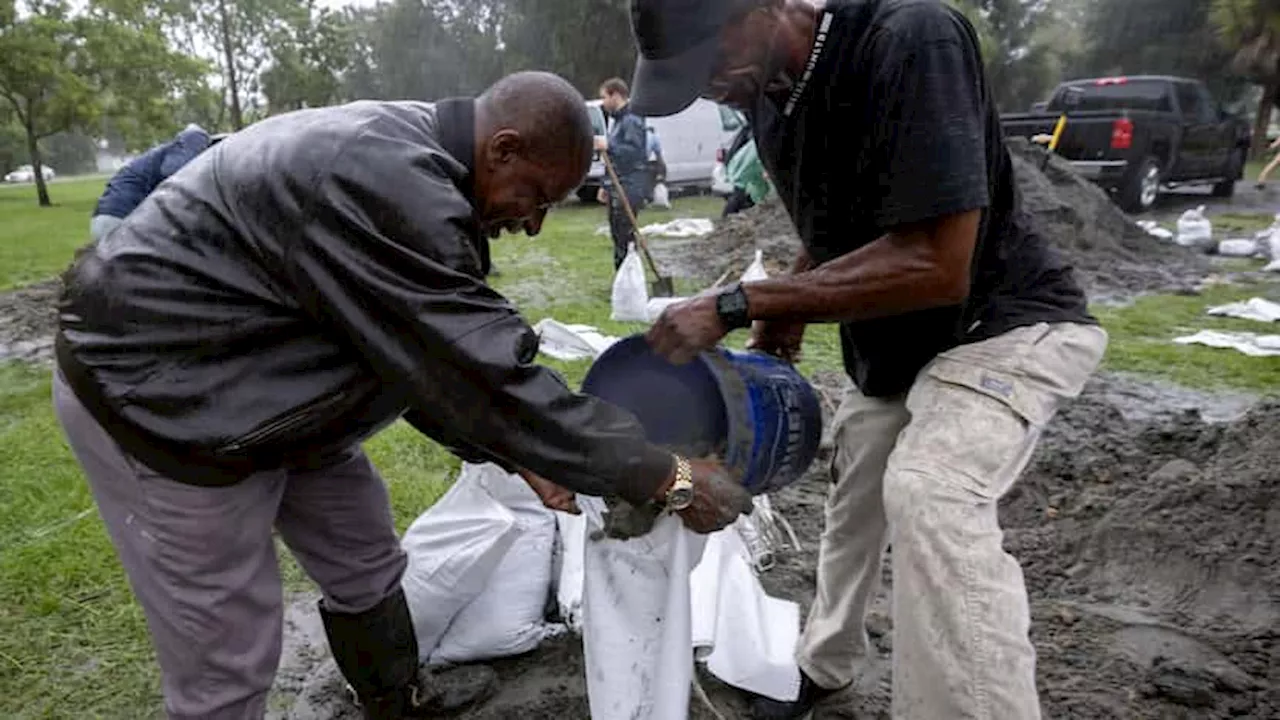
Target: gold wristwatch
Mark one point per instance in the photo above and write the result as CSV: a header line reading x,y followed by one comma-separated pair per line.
x,y
680,494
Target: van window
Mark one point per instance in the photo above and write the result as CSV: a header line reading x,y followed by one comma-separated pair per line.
x,y
730,119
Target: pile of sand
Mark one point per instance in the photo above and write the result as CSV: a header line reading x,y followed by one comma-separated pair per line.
x,y
1113,257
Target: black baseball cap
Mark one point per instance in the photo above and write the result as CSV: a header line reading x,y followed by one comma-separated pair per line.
x,y
679,43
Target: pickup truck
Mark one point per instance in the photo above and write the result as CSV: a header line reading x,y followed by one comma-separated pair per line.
x,y
1134,136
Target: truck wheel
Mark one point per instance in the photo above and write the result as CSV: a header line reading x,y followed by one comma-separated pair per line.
x,y
1142,187
1227,188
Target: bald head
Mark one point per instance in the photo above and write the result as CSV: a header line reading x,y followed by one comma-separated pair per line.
x,y
533,147
547,112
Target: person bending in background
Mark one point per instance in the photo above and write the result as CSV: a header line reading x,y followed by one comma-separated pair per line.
x,y
750,181
142,175
627,147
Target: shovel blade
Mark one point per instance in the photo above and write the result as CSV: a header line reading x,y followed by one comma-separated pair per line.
x,y
662,287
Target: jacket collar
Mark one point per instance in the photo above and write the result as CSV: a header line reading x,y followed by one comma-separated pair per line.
x,y
457,122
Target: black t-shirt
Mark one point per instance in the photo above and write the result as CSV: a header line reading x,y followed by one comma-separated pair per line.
x,y
892,123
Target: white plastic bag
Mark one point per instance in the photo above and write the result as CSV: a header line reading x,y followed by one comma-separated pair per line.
x,y
1195,230
1271,245
572,536
746,638
661,196
755,271
453,549
1238,248
571,342
507,617
636,620
630,296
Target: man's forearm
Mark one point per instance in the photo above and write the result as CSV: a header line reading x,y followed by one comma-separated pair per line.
x,y
896,274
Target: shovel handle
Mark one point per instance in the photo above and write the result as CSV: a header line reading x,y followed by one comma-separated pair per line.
x,y
631,215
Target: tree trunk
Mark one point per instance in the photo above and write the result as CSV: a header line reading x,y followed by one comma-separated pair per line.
x,y
1270,93
229,58
37,167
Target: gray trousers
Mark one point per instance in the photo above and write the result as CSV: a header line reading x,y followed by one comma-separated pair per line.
x,y
202,561
924,472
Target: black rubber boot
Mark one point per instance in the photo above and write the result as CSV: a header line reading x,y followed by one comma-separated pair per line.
x,y
763,708
377,653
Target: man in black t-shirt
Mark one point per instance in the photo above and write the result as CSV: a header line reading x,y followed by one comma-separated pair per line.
x,y
962,330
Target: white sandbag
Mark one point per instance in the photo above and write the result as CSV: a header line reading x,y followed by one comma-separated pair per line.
x,y
746,638
1272,244
630,295
1273,266
453,549
656,305
1259,309
755,271
571,342
636,620
1251,344
680,228
1195,230
507,617
1238,248
1153,229
661,196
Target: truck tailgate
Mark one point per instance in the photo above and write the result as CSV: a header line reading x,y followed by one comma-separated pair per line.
x,y
1089,139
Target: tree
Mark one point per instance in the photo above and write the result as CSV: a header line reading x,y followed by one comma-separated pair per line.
x,y
236,36
309,56
61,71
1251,28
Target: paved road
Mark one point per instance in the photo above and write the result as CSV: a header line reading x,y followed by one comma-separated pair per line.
x,y
1248,200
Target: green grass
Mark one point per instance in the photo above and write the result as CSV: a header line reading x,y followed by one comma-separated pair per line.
x,y
1141,335
1241,224
37,243
72,641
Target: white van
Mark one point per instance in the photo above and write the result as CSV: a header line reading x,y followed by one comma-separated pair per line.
x,y
690,142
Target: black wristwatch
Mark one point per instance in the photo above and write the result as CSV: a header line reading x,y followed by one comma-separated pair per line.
x,y
731,306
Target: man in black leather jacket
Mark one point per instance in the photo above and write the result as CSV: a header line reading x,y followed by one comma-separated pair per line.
x,y
284,296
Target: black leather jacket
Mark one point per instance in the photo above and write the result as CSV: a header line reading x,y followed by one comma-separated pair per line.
x,y
306,282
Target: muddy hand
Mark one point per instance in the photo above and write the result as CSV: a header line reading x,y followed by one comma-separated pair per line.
x,y
551,494
623,521
686,328
718,499
781,339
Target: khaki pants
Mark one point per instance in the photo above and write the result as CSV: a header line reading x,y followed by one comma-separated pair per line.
x,y
923,473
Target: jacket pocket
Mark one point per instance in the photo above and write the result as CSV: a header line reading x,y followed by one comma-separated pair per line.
x,y
287,424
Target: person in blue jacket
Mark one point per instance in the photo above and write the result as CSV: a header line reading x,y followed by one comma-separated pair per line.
x,y
628,147
134,182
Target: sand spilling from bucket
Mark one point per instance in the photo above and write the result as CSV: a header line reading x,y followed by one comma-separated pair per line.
x,y
1113,257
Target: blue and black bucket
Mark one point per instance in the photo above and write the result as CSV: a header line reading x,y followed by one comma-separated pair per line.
x,y
752,410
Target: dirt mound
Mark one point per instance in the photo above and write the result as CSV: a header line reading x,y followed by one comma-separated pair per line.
x,y
28,320
1152,558
1113,257
1111,254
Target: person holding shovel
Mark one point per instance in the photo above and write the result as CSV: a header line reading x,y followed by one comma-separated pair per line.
x,y
962,331
626,149
223,353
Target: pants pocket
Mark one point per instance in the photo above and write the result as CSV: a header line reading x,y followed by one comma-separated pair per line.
x,y
972,426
